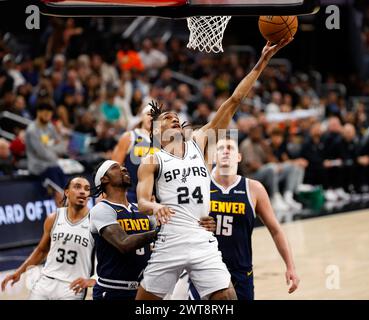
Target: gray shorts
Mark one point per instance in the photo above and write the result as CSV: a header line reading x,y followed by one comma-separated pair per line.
x,y
197,253
53,289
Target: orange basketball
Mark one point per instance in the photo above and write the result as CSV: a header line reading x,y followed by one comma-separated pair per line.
x,y
275,28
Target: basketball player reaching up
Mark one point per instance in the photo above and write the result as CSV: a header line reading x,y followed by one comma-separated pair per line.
x,y
67,246
235,202
131,147
180,173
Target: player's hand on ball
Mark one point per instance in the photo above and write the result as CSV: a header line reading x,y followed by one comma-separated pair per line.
x,y
270,50
163,214
208,223
81,284
291,277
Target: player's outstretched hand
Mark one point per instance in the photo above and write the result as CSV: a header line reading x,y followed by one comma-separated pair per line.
x,y
270,50
81,284
12,277
291,277
163,214
208,223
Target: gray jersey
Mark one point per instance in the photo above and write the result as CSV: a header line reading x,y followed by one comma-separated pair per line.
x,y
71,249
183,184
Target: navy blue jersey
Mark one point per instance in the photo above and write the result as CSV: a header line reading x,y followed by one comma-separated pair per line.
x,y
235,216
115,269
140,148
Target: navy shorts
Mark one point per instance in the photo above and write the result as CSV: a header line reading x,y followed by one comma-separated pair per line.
x,y
243,283
101,293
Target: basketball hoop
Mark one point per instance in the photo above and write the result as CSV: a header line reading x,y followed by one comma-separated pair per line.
x,y
206,32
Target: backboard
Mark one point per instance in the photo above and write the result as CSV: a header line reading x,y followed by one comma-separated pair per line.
x,y
178,8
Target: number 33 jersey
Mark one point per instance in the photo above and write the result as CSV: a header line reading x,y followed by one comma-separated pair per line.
x,y
183,184
71,249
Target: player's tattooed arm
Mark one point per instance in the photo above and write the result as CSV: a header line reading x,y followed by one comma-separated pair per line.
x,y
125,243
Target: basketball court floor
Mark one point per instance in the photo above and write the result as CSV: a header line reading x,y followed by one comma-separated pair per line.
x,y
331,255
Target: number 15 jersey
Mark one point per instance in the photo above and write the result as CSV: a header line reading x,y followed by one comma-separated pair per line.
x,y
183,184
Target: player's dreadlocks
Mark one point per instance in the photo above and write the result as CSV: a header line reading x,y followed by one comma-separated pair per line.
x,y
155,112
99,190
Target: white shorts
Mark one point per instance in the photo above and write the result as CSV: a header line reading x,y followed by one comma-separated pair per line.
x,y
196,252
53,289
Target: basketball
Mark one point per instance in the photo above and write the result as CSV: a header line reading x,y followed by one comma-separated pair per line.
x,y
275,28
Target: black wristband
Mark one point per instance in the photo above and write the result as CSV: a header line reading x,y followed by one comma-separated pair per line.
x,y
157,230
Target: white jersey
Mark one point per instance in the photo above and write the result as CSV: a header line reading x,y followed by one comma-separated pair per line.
x,y
183,184
71,249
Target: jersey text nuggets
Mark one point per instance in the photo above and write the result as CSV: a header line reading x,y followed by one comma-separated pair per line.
x,y
227,207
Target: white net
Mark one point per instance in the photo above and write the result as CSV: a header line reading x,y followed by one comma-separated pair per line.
x,y
206,32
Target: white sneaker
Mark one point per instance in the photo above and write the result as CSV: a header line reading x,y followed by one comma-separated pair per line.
x,y
342,194
278,203
330,195
294,205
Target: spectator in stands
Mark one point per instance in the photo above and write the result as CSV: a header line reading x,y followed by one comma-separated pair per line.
x,y
71,35
152,58
333,160
297,165
55,42
201,116
110,112
107,73
11,67
350,153
259,163
180,108
58,64
43,148
6,159
363,164
18,150
106,139
332,108
128,58
86,124
6,82
92,87
275,104
361,119
20,107
312,151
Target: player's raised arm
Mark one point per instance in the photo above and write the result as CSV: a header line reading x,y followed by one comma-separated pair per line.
x,y
37,256
121,149
227,110
146,178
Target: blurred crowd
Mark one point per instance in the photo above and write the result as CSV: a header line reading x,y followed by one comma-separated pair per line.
x,y
294,128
